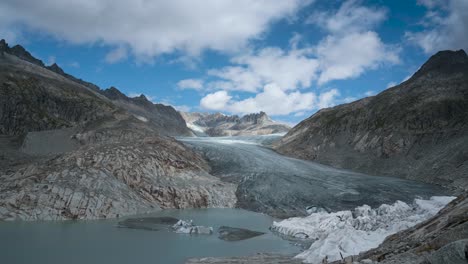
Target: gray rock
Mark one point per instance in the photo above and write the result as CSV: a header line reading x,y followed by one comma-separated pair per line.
x,y
453,253
69,152
218,124
235,234
417,129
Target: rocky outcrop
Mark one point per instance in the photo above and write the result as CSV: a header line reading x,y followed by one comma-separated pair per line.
x,y
69,152
218,124
112,180
165,118
416,130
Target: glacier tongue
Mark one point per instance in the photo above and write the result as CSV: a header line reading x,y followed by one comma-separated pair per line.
x,y
346,233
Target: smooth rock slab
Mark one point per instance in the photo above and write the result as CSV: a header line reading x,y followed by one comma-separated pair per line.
x,y
148,223
454,253
235,234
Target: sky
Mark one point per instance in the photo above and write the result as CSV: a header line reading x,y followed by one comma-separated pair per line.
x,y
288,58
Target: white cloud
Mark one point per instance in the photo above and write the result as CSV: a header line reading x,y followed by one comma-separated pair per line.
x,y
344,57
275,75
391,84
195,84
328,99
151,28
289,69
371,93
446,26
431,3
116,55
342,54
272,100
74,64
215,101
349,99
350,17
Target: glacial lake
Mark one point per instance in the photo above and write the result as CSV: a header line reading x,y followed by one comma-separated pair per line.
x,y
101,241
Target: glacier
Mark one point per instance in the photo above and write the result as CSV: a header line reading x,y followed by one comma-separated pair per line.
x,y
340,234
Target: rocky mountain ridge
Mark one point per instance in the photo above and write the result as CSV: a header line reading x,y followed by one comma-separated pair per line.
x,y
68,151
218,124
417,129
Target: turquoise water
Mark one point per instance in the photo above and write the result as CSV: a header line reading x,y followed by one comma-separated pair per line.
x,y
100,241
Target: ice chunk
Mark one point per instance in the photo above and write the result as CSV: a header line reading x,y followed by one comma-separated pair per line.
x,y
187,227
345,233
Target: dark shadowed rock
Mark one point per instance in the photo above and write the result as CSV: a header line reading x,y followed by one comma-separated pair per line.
x,y
235,234
148,223
417,129
453,253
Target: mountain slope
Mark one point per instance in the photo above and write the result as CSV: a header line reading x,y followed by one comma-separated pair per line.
x,y
69,152
164,118
416,130
218,124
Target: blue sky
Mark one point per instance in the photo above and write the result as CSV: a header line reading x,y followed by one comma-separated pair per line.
x,y
288,58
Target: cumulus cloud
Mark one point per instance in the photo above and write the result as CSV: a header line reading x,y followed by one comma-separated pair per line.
x,y
328,99
116,55
273,100
215,101
151,28
288,69
343,57
341,53
195,84
446,25
278,76
350,17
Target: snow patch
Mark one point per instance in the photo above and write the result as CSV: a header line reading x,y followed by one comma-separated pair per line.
x,y
195,128
141,118
346,233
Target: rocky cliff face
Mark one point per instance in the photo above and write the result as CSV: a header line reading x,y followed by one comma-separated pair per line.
x,y
69,152
218,124
416,130
165,118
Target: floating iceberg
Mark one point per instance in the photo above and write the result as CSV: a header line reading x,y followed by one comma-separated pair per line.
x,y
187,227
346,233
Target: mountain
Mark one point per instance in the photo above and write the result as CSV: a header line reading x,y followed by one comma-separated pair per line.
x,y
164,118
70,151
218,124
417,129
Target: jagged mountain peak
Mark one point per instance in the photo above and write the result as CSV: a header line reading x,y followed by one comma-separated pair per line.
x,y
257,118
20,52
55,68
443,62
114,94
